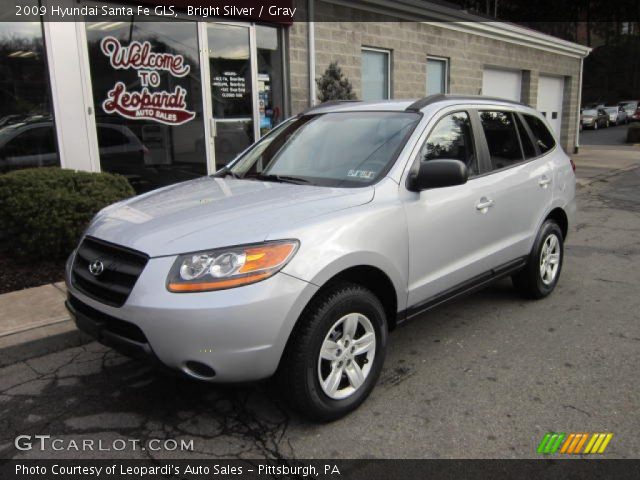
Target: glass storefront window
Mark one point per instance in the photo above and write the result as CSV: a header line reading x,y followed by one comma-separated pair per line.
x,y
270,86
147,93
231,89
27,129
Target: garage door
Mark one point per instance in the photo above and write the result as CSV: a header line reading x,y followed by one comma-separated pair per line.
x,y
550,94
502,83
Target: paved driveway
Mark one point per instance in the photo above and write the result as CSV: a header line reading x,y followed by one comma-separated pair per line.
x,y
614,135
485,376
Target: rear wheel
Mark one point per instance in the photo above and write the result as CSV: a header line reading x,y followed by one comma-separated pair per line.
x,y
335,354
540,276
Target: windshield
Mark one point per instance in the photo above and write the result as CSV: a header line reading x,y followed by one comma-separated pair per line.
x,y
611,109
589,112
347,149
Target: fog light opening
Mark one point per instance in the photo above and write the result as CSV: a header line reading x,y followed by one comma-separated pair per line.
x,y
199,370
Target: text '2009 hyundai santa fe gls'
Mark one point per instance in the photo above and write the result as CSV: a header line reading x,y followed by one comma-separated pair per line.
x,y
297,258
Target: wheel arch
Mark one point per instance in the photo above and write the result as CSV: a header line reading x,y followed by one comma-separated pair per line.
x,y
560,217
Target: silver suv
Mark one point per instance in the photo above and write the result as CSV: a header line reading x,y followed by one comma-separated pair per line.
x,y
298,257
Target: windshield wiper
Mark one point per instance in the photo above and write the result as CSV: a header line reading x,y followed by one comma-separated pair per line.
x,y
282,178
227,171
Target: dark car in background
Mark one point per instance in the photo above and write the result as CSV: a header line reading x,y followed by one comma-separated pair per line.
x,y
632,108
33,144
594,118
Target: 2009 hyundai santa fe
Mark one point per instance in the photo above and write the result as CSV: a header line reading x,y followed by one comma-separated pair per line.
x,y
299,256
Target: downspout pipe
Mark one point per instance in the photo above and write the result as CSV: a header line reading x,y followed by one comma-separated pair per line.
x,y
312,52
576,148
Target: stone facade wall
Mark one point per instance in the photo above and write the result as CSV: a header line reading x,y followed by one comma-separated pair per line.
x,y
410,43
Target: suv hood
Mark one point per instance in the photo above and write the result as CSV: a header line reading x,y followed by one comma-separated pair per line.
x,y
213,212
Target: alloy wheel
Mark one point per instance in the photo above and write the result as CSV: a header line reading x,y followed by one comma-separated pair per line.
x,y
346,356
550,259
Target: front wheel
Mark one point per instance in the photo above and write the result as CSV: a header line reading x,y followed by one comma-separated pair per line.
x,y
335,354
542,271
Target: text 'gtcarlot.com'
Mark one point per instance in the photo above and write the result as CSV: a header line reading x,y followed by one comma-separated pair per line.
x,y
48,443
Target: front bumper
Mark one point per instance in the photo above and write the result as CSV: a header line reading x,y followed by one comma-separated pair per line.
x,y
239,333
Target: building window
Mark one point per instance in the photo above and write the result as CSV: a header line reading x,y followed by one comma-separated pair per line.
x,y
146,83
437,75
376,66
27,130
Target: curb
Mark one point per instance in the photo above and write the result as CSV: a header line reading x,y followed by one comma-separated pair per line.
x,y
41,341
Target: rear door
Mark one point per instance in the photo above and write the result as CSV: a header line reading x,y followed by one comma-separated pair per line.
x,y
519,185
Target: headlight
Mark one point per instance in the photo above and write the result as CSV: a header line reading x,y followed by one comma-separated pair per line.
x,y
229,267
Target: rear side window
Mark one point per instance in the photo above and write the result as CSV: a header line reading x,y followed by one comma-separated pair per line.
x,y
502,138
541,133
527,145
451,139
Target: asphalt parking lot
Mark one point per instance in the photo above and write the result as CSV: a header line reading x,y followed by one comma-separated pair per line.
x,y
613,135
485,376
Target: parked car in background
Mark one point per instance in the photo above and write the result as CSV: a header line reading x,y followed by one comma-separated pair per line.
x,y
617,115
632,109
593,106
33,144
595,118
297,257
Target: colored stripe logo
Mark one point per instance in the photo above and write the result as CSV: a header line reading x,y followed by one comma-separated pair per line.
x,y
574,443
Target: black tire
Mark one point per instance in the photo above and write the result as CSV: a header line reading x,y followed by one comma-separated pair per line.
x,y
529,281
298,372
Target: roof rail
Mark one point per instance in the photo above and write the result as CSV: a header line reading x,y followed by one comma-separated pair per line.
x,y
328,104
439,97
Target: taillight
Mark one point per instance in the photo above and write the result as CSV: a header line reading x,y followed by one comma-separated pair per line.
x,y
573,164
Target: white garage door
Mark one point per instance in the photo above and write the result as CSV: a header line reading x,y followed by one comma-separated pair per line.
x,y
502,83
550,94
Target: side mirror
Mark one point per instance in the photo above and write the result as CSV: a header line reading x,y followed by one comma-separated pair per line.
x,y
438,174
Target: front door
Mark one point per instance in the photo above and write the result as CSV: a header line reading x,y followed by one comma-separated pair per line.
x,y
231,82
447,232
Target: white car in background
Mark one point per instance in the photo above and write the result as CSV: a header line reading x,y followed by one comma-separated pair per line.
x,y
617,115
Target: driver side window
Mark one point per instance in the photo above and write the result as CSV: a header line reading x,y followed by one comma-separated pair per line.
x,y
451,139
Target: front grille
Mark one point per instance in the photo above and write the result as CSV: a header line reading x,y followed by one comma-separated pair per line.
x,y
107,322
122,267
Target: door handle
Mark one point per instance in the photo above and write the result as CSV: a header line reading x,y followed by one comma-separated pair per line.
x,y
544,181
484,204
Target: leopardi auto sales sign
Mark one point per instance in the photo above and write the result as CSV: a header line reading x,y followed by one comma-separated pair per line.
x,y
168,107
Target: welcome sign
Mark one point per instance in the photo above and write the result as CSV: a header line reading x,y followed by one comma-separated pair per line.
x,y
168,107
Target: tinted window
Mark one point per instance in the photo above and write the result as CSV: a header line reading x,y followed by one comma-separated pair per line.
x,y
451,138
502,138
525,139
541,133
332,149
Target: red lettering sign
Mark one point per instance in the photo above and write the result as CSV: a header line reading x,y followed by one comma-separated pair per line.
x,y
164,107
160,106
